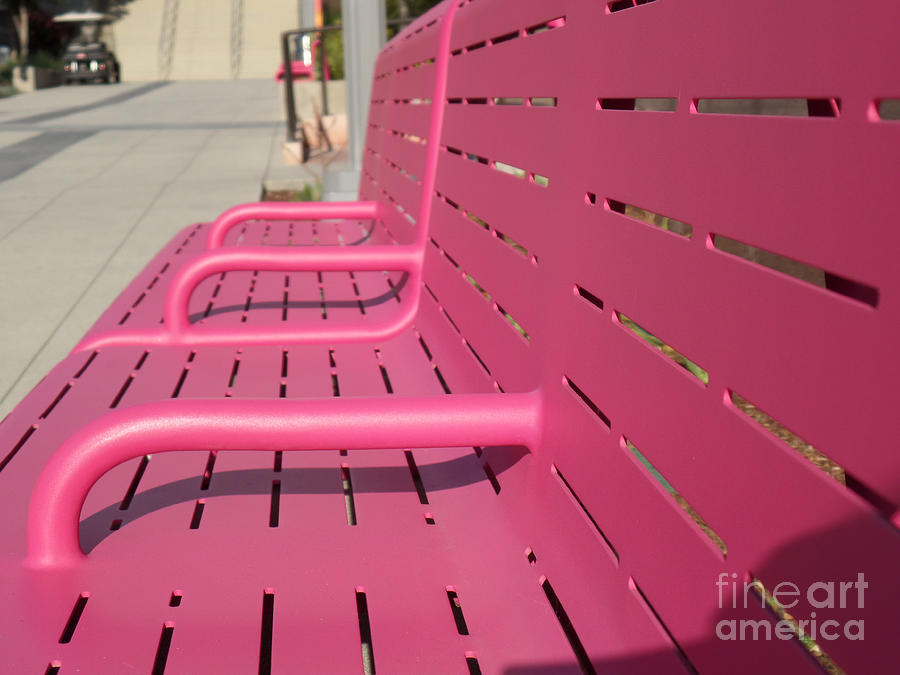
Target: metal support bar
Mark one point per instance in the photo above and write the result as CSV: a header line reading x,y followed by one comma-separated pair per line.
x,y
289,102
325,110
286,59
290,108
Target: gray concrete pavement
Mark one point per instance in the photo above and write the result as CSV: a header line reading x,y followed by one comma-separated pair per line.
x,y
95,179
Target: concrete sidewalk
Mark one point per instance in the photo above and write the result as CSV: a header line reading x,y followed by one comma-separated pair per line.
x,y
94,180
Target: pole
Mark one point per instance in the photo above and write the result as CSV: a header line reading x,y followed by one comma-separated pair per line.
x,y
364,34
290,110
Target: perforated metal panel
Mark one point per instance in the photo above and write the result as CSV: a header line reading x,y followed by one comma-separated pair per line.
x,y
686,267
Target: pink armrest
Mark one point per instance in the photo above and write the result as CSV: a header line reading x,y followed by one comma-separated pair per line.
x,y
315,424
177,328
286,211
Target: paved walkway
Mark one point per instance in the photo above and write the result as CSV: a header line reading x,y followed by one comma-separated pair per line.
x,y
95,179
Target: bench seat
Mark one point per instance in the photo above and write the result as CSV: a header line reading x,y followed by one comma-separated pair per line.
x,y
438,511
272,296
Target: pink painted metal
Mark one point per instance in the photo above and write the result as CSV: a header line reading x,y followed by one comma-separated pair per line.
x,y
299,69
315,424
236,215
178,329
600,195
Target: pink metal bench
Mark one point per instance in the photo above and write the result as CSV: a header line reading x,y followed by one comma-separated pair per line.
x,y
649,296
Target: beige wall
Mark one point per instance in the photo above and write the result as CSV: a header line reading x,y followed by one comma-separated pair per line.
x,y
201,44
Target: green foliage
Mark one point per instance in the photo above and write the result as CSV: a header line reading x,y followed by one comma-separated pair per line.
x,y
666,349
309,193
38,60
334,45
44,60
6,71
334,40
404,9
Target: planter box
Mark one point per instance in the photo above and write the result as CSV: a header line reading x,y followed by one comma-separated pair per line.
x,y
36,78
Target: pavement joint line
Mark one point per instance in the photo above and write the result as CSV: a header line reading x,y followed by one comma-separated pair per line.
x,y
19,157
141,127
112,100
102,269
72,187
161,126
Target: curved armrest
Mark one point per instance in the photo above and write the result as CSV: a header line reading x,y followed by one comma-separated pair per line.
x,y
177,327
286,211
315,424
334,258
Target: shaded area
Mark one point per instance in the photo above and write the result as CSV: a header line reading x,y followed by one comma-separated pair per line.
x,y
112,100
366,237
445,475
389,295
317,304
24,155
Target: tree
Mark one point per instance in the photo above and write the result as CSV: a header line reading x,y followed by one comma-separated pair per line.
x,y
19,14
403,9
334,41
406,9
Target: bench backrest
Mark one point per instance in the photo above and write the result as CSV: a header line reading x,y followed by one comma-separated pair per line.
x,y
676,218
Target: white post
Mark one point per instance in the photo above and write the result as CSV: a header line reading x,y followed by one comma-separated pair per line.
x,y
307,13
364,34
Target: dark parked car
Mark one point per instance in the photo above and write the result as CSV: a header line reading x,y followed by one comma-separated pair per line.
x,y
90,62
